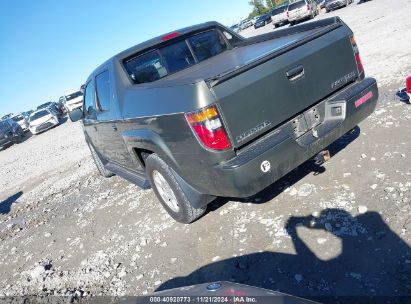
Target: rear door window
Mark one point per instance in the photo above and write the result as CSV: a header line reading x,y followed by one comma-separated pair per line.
x,y
103,91
89,101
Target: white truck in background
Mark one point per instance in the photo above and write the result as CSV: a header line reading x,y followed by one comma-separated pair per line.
x,y
73,100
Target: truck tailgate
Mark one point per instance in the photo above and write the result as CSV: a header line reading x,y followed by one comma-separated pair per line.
x,y
283,84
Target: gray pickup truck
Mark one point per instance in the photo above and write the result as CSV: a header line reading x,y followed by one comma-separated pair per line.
x,y
203,112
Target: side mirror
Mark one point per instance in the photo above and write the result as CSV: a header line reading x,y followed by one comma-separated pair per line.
x,y
76,115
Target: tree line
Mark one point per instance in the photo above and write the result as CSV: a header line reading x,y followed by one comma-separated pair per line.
x,y
260,8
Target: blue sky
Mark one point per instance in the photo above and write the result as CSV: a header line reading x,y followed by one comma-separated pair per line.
x,y
50,47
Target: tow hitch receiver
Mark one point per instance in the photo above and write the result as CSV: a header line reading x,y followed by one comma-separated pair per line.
x,y
322,157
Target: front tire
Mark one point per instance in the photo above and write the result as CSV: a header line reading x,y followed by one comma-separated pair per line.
x,y
99,164
20,137
169,192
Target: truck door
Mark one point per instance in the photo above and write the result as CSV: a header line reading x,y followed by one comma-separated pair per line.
x,y
111,143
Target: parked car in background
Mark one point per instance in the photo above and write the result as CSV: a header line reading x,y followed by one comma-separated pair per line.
x,y
235,28
245,24
254,19
262,21
52,106
320,3
7,116
42,120
331,5
10,132
73,100
301,10
23,120
279,16
60,107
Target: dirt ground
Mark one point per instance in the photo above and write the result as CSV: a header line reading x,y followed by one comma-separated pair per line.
x,y
343,229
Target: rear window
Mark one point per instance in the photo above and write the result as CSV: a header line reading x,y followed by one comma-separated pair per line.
x,y
175,57
296,5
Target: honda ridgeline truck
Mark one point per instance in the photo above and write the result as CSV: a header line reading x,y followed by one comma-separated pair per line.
x,y
203,112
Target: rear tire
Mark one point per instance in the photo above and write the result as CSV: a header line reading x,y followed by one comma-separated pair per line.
x,y
99,164
169,192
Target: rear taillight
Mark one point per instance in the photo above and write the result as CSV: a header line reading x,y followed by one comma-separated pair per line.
x,y
288,14
360,67
308,7
208,127
408,83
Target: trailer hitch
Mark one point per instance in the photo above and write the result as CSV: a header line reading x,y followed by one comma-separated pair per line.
x,y
322,157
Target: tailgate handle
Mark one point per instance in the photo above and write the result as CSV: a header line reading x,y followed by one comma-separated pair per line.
x,y
295,73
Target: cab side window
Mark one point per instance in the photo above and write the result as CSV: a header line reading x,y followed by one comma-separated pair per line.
x,y
89,101
103,91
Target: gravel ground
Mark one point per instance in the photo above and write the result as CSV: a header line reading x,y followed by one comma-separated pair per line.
x,y
340,230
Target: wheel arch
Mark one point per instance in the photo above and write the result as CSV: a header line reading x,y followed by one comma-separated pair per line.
x,y
147,141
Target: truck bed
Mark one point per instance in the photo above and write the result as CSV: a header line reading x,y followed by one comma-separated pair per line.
x,y
248,53
233,59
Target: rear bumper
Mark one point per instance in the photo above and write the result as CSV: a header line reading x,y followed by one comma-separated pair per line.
x,y
299,16
242,176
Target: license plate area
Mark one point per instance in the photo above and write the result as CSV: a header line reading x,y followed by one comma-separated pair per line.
x,y
313,118
306,121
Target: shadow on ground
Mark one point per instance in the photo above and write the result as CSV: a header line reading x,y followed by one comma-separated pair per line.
x,y
5,206
374,264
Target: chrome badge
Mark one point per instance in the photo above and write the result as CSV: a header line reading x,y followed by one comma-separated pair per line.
x,y
343,80
253,131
